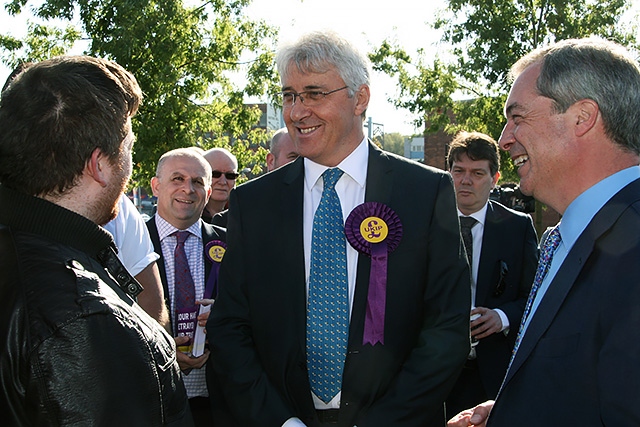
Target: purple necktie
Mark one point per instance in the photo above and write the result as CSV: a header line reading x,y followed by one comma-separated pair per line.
x,y
184,289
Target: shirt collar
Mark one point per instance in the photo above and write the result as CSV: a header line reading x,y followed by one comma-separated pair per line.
x,y
582,210
166,229
354,165
479,215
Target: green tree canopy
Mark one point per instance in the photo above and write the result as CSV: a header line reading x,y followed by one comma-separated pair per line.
x,y
186,59
469,81
392,142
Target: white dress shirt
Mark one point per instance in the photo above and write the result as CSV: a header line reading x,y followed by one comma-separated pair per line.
x,y
477,233
195,382
350,188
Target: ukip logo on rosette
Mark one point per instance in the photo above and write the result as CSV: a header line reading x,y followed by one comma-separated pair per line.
x,y
215,251
375,230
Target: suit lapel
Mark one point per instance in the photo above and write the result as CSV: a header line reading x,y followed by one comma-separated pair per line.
x,y
379,189
290,218
209,233
291,209
155,239
570,269
487,262
379,176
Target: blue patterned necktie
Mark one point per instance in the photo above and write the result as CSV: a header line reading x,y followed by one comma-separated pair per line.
x,y
184,289
548,249
328,309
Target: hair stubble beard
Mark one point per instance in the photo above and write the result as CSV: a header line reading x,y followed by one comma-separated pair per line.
x,y
108,206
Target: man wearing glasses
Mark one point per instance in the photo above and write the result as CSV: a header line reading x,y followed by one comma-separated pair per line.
x,y
307,330
225,172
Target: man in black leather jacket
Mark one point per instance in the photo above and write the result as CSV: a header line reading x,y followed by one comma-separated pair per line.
x,y
76,349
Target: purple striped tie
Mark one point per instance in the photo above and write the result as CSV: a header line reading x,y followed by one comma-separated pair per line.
x,y
185,291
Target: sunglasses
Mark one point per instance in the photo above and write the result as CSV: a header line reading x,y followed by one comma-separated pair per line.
x,y
229,175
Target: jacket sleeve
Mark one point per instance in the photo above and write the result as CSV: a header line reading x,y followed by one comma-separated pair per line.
x,y
529,258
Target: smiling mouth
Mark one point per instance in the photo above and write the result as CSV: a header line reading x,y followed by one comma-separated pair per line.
x,y
308,130
189,202
520,160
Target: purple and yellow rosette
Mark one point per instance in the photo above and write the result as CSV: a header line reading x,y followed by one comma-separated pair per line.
x,y
375,230
214,251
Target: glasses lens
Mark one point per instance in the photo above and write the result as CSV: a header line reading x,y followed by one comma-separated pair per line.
x,y
228,175
288,99
313,97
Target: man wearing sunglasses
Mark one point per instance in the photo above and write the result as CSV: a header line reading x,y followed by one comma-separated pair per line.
x,y
225,172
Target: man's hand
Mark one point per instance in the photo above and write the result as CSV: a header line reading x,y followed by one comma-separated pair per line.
x,y
186,362
487,324
472,417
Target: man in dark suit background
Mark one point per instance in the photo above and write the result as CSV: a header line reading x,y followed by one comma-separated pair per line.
x,y
503,263
402,358
573,131
182,185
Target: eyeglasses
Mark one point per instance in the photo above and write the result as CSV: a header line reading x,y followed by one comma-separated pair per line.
x,y
311,98
229,175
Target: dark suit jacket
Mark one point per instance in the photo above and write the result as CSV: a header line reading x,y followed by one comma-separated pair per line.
x,y
257,327
219,219
577,364
508,241
209,233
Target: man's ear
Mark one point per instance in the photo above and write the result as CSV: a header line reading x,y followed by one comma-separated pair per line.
x,y
96,167
496,177
271,159
587,112
154,185
362,99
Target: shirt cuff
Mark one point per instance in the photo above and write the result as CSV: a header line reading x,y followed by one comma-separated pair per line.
x,y
504,319
293,422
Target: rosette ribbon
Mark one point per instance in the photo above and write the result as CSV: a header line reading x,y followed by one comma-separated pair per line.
x,y
214,250
375,230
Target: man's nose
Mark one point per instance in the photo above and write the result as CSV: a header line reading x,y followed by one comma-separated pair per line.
x,y
506,139
298,111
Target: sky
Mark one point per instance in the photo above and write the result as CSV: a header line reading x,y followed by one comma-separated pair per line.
x,y
366,23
